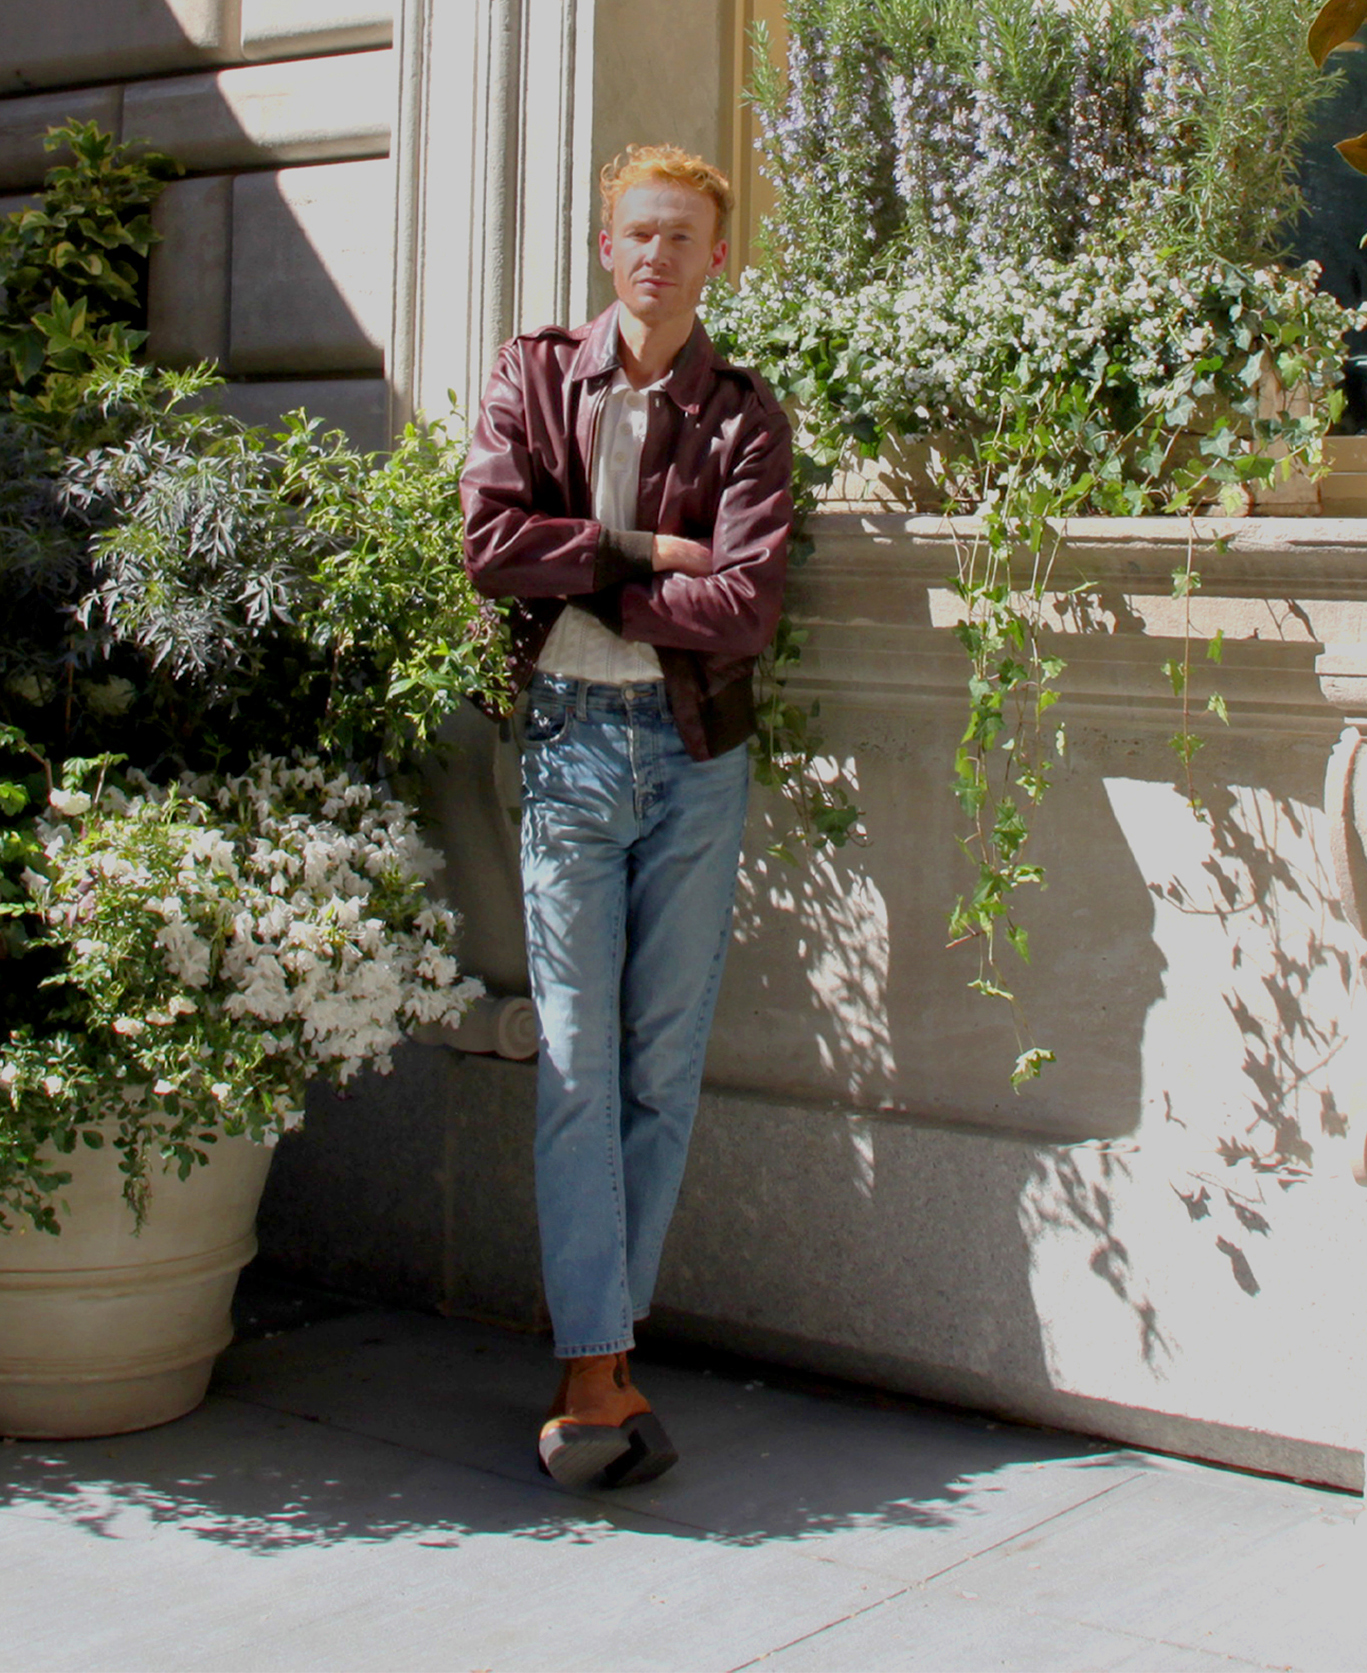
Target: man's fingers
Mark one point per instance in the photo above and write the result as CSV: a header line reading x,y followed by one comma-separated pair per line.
x,y
685,557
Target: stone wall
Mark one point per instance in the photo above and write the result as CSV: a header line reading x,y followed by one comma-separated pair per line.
x,y
1160,1240
276,258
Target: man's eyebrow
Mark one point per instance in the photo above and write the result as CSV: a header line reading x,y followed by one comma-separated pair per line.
x,y
671,223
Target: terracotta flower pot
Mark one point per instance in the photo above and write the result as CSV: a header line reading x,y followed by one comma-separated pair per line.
x,y
104,1328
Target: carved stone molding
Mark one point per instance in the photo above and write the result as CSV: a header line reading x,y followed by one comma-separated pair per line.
x,y
878,599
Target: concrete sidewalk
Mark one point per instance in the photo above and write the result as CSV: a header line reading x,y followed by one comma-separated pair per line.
x,y
359,1492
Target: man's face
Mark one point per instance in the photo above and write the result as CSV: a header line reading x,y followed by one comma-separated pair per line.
x,y
662,250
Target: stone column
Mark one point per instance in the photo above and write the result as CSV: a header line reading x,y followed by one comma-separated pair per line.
x,y
486,148
507,109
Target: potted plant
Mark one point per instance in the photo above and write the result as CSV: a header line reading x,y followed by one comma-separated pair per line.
x,y
214,943
227,648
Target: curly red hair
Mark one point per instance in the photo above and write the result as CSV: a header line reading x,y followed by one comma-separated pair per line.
x,y
641,165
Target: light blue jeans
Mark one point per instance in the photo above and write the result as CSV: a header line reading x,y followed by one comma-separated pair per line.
x,y
630,850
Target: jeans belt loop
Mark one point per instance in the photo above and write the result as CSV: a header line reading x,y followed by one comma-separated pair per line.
x,y
581,699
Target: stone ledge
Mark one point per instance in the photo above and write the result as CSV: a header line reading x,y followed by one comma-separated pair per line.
x,y
300,28
1279,589
314,111
55,43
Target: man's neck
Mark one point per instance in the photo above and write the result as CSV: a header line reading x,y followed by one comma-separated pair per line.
x,y
648,352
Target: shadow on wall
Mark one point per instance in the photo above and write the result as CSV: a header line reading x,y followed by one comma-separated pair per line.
x,y
276,260
1195,976
841,987
1252,1033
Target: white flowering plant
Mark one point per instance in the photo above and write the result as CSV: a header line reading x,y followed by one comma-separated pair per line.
x,y
210,946
1159,387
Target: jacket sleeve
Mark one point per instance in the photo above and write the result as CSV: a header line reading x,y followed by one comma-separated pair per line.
x,y
734,611
513,547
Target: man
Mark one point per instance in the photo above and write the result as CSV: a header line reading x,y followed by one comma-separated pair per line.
x,y
629,491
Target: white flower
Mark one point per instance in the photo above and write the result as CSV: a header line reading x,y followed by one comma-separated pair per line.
x,y
113,696
53,1085
131,1026
70,803
189,958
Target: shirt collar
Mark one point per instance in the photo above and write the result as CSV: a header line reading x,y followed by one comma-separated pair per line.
x,y
687,379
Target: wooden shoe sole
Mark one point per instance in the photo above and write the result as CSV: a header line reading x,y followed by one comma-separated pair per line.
x,y
578,1455
575,1454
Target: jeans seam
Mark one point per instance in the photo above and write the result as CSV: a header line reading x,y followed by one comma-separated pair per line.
x,y
615,1137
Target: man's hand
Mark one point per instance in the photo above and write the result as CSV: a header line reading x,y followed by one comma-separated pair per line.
x,y
685,557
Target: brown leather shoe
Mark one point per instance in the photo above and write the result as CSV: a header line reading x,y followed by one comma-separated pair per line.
x,y
600,1428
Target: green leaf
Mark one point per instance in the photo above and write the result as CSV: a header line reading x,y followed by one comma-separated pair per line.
x,y
1029,1064
1335,24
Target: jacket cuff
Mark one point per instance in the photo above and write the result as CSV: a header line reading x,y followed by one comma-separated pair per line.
x,y
623,555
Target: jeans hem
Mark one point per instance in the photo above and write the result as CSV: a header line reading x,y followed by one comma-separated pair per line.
x,y
623,1344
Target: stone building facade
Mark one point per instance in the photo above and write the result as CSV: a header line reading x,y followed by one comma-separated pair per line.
x,y
376,195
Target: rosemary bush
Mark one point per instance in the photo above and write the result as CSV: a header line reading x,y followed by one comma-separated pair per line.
x,y
1024,127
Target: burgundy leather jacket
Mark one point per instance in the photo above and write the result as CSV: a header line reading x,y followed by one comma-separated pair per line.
x,y
716,466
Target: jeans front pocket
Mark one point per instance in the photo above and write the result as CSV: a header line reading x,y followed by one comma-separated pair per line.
x,y
547,719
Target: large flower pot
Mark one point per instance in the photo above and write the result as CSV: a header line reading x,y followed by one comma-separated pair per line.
x,y
104,1328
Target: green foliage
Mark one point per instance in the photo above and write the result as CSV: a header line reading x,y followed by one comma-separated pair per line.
x,y
183,592
403,633
1122,384
787,747
787,755
212,590
73,267
1040,237
219,941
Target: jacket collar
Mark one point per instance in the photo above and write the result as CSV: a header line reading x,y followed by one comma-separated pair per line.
x,y
687,380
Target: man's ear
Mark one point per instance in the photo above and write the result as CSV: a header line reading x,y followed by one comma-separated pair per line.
x,y
718,259
605,249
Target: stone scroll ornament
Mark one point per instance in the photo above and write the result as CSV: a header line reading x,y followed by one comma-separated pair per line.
x,y
1342,674
1343,671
